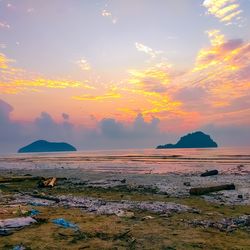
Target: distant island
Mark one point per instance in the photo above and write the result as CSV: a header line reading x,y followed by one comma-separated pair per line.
x,y
194,140
45,146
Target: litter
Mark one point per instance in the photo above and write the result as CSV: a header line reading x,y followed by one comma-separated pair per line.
x,y
64,223
19,247
33,212
7,226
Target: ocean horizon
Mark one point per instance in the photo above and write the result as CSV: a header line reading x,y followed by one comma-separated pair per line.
x,y
138,161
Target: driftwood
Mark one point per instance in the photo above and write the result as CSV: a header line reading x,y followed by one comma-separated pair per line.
x,y
205,190
50,182
20,179
209,173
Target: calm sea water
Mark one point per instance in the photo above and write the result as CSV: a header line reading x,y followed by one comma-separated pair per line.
x,y
134,160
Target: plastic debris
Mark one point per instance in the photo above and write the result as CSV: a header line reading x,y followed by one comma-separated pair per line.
x,y
8,226
33,212
19,247
64,223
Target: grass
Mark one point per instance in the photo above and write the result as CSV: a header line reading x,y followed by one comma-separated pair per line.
x,y
113,232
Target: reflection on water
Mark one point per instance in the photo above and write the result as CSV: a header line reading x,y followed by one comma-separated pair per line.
x,y
134,160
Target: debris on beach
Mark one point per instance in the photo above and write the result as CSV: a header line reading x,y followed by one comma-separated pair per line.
x,y
33,212
50,182
210,173
226,224
19,247
8,226
64,223
209,189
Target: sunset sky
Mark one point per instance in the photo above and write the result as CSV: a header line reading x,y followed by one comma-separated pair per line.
x,y
124,73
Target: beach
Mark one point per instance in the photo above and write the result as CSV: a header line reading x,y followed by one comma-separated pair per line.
x,y
118,204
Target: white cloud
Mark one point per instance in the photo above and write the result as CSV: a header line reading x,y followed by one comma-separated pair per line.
x,y
143,48
108,14
83,64
4,25
30,10
3,46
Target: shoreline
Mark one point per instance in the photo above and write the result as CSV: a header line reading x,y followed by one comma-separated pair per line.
x,y
171,184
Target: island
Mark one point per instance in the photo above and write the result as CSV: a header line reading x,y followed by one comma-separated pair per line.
x,y
45,146
193,140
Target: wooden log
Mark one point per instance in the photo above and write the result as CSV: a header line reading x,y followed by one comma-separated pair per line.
x,y
205,190
210,172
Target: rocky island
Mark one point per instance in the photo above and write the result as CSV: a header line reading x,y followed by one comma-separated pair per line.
x,y
194,140
45,146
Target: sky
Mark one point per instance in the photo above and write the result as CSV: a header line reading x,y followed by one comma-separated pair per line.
x,y
105,74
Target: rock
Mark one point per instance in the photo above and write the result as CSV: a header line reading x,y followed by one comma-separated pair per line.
x,y
210,172
106,183
148,217
193,140
226,224
45,146
126,214
205,190
100,206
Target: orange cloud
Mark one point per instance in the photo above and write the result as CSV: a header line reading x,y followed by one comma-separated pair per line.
x,y
219,80
221,53
14,80
154,79
227,11
222,70
107,96
3,61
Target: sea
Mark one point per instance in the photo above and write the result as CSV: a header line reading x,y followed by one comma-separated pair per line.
x,y
136,161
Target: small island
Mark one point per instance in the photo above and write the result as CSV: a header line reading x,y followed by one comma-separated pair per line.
x,y
194,140
45,146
